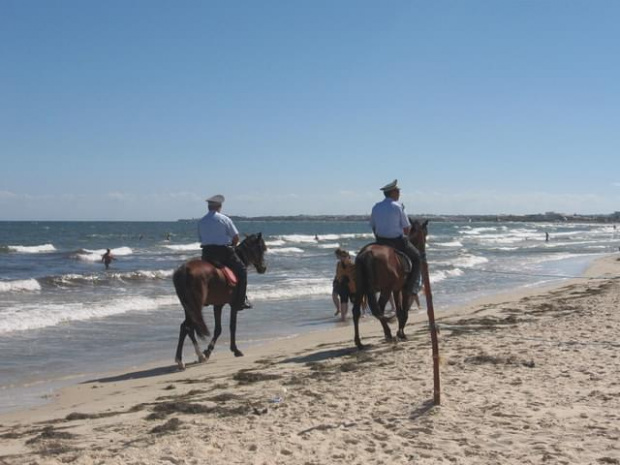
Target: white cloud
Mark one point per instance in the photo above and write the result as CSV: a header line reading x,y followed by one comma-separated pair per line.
x,y
117,196
117,205
6,195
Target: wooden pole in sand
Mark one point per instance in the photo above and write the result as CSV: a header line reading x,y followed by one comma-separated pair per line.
x,y
431,322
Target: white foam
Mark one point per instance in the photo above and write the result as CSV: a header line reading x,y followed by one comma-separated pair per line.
x,y
334,245
297,238
469,261
89,255
184,247
449,244
476,231
147,274
22,285
308,238
285,250
292,289
72,279
444,274
32,249
276,243
27,317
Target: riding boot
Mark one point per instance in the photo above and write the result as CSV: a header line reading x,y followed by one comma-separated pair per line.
x,y
413,285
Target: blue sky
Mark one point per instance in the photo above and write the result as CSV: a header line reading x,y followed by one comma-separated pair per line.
x,y
139,110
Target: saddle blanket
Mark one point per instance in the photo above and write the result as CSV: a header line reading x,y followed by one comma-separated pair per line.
x,y
229,275
225,273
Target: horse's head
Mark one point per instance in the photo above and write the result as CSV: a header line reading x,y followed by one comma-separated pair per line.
x,y
252,251
418,233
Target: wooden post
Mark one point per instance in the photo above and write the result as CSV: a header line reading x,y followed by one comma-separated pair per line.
x,y
431,322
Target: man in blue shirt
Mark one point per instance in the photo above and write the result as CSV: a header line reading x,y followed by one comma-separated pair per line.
x,y
218,236
391,227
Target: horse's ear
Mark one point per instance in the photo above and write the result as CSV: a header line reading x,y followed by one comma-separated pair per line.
x,y
425,224
260,235
245,235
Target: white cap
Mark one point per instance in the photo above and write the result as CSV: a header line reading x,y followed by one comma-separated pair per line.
x,y
391,186
218,199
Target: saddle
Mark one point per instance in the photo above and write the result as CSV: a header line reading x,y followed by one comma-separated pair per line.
x,y
224,273
404,260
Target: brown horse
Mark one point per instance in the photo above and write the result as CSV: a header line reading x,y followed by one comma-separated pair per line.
x,y
199,284
379,268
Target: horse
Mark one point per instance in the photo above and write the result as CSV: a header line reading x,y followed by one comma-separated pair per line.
x,y
379,268
199,283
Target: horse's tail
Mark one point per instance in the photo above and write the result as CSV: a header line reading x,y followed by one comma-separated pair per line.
x,y
193,309
364,277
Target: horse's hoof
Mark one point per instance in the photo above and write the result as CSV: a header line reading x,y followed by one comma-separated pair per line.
x,y
202,358
206,354
238,353
181,365
401,336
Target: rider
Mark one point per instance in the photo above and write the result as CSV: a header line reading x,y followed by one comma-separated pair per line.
x,y
218,236
391,227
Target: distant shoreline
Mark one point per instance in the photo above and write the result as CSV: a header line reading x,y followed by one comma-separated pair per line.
x,y
549,217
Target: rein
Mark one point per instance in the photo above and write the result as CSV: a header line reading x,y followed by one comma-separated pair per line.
x,y
241,251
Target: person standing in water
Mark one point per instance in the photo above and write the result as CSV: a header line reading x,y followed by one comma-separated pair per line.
x,y
107,258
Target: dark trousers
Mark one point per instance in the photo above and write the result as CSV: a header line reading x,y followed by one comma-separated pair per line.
x,y
405,246
225,255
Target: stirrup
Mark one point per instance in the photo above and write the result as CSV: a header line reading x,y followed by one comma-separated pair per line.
x,y
246,304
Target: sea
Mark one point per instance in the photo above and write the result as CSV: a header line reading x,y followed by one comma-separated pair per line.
x,y
65,319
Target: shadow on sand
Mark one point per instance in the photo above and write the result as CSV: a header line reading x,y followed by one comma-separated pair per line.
x,y
150,373
322,355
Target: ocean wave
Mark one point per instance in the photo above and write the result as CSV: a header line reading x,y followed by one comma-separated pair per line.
x,y
333,245
89,255
554,244
291,289
21,285
469,261
76,279
184,247
36,316
449,244
144,275
310,239
438,276
285,250
31,248
476,231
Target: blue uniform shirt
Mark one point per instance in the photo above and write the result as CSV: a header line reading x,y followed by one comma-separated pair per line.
x,y
216,229
388,219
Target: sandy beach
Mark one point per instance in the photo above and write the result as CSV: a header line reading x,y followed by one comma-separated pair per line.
x,y
527,378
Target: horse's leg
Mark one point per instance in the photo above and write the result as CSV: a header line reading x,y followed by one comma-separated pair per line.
x,y
179,357
383,300
217,313
356,321
233,332
403,315
376,311
191,332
